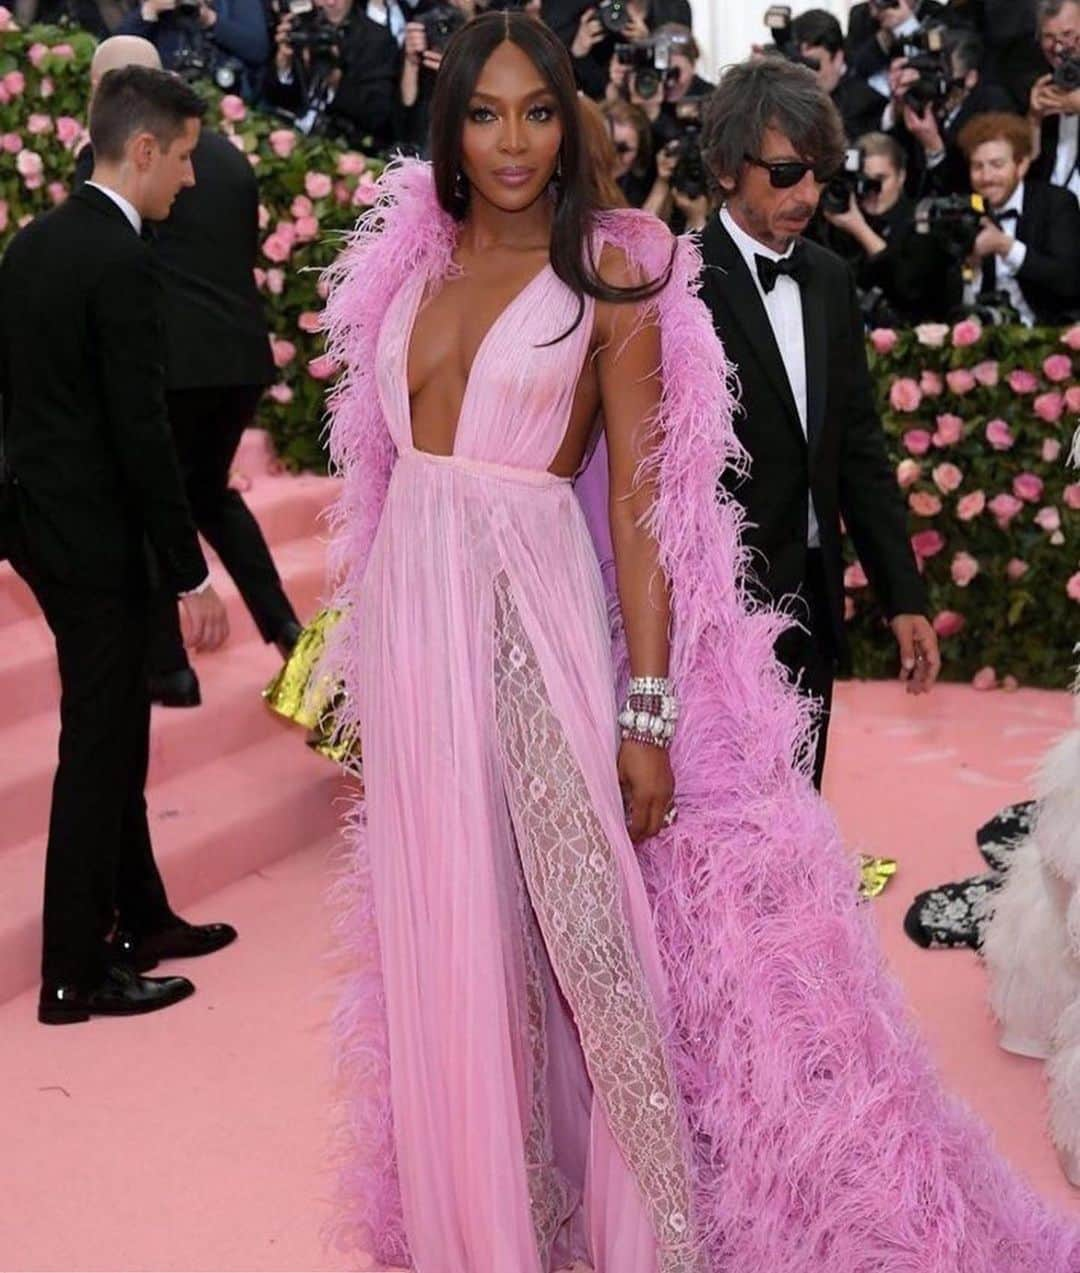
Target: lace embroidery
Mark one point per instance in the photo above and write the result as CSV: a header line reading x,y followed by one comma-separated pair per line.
x,y
574,885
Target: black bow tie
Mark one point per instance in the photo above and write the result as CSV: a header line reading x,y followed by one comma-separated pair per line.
x,y
795,266
1008,214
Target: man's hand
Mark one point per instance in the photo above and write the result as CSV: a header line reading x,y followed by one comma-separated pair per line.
x,y
992,240
924,128
1047,99
696,211
589,34
920,659
851,220
203,620
415,42
636,28
207,16
284,55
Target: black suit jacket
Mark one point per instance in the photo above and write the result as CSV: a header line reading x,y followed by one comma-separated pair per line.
x,y
87,438
864,54
952,174
1050,276
843,464
215,325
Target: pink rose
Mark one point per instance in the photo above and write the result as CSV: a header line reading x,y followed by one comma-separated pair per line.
x,y
7,22
1004,507
1072,588
3,215
904,395
1051,449
310,321
907,473
950,429
1072,399
277,247
963,569
281,394
275,281
1071,495
12,143
57,192
883,339
1022,381
307,228
68,131
986,373
322,368
960,381
917,441
282,142
1048,519
37,53
264,216
233,108
849,609
284,351
969,506
947,478
1028,487
63,51
1057,367
286,230
260,276
301,206
14,83
318,185
966,332
1072,337
1049,407
932,335
366,192
1010,684
924,503
947,623
37,124
45,87
1016,569
927,543
30,167
351,164
984,679
999,435
932,385
855,576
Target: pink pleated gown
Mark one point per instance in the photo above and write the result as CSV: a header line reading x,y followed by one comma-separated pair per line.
x,y
535,1115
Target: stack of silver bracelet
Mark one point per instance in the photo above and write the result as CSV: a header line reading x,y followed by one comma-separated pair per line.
x,y
650,711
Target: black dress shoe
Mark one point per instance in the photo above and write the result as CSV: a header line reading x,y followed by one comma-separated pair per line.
x,y
121,993
174,689
287,637
181,941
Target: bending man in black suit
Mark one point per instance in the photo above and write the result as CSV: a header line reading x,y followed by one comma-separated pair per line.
x,y
786,312
90,476
217,364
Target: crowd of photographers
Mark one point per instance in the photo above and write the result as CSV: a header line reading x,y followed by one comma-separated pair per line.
x,y
958,193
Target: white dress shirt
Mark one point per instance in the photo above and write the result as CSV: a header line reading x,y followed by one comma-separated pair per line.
x,y
1066,168
783,305
1007,267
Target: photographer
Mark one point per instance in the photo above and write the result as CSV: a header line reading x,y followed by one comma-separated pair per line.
x,y
336,68
877,30
1054,104
426,37
818,38
1025,254
631,136
935,93
896,269
223,40
591,30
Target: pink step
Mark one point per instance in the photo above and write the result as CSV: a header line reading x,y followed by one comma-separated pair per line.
x,y
211,825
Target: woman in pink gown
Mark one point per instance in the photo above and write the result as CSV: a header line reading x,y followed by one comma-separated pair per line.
x,y
670,1057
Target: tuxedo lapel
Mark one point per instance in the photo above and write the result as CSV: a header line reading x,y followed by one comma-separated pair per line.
x,y
815,341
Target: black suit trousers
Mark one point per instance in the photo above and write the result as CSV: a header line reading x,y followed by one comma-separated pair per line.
x,y
99,867
207,425
809,652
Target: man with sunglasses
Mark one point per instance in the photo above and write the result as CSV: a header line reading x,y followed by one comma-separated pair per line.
x,y
787,314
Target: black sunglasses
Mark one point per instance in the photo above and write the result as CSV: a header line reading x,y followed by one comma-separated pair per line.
x,y
624,148
785,173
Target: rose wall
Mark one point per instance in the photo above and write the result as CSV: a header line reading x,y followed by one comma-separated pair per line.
x,y
978,422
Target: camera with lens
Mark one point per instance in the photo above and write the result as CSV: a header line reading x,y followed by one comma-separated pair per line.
x,y
649,64
876,309
778,20
196,56
614,15
849,182
312,30
441,23
993,309
1067,75
690,177
926,53
954,220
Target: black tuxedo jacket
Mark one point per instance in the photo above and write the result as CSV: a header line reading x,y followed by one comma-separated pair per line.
x,y
1050,276
215,325
1042,167
843,464
952,175
86,434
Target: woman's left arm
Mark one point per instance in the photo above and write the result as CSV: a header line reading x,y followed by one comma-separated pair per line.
x,y
628,367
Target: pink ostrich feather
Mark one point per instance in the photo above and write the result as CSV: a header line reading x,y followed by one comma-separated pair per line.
x,y
823,1141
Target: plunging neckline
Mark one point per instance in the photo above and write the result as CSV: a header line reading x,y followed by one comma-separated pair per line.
x,y
481,348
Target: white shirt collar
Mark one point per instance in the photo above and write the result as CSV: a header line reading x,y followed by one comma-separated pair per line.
x,y
748,246
1015,202
128,209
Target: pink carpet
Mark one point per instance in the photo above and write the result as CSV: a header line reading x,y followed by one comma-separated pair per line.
x,y
193,1139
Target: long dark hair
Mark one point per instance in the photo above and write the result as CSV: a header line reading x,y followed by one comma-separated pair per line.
x,y
575,195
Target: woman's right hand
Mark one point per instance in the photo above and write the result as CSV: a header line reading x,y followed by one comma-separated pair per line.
x,y
589,34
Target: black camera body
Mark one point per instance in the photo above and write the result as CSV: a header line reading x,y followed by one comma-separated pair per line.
x,y
926,53
614,15
954,220
1067,75
441,23
849,182
310,29
649,63
690,177
778,20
